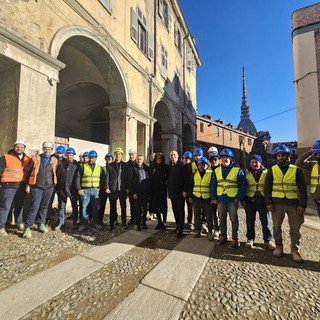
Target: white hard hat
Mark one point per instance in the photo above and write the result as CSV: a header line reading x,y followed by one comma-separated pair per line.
x,y
20,142
48,144
132,150
213,149
80,154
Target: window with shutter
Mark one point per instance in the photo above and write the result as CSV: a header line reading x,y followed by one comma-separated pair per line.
x,y
107,4
150,46
134,26
164,62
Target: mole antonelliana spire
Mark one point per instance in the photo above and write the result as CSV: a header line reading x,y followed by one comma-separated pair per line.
x,y
245,122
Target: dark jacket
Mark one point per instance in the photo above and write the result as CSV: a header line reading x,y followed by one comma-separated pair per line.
x,y
176,183
112,178
138,186
301,184
66,175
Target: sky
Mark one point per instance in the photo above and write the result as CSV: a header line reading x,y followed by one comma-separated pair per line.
x,y
256,35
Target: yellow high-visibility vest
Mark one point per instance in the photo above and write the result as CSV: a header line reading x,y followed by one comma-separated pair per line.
x,y
284,185
90,179
253,185
202,185
314,182
229,185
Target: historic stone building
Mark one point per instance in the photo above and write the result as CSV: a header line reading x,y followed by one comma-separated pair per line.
x,y
99,73
306,58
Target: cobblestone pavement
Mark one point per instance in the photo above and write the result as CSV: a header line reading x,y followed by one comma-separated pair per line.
x,y
242,284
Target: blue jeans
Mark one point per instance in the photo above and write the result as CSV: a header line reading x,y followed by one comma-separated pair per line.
x,y
91,196
7,196
39,205
62,208
232,208
264,214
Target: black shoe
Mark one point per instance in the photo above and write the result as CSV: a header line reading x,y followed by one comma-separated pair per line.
x,y
131,222
125,226
180,235
138,228
159,226
111,228
163,226
222,240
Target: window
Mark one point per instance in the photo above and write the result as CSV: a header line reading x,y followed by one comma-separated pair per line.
x,y
230,135
178,41
140,34
201,127
190,60
217,132
249,142
107,5
177,85
164,62
165,12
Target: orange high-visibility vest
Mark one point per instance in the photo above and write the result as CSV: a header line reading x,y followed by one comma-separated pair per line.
x,y
35,169
15,170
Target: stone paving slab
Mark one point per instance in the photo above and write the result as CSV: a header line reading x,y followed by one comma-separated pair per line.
x,y
26,295
119,245
180,270
134,307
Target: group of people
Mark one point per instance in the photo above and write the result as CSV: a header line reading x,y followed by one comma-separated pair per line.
x,y
212,187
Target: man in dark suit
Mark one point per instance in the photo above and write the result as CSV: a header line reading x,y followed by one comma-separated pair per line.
x,y
117,185
176,190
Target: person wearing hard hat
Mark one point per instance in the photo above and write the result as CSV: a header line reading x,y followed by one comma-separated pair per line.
x,y
199,197
254,201
117,187
198,153
40,178
102,193
310,161
131,163
67,171
13,167
187,173
89,182
60,153
228,188
286,192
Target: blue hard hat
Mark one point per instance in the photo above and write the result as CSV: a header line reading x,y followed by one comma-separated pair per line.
x,y
61,149
198,152
282,149
85,154
70,151
316,147
109,155
187,154
92,154
203,160
214,155
226,153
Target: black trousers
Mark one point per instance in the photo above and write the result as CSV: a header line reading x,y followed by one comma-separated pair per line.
x,y
113,207
178,212
140,210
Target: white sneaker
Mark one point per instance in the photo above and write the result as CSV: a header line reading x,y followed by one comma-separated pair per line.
x,y
296,256
270,245
204,228
249,244
278,251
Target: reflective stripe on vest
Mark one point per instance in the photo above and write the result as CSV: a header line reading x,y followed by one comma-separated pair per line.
x,y
284,185
91,179
201,186
314,182
253,185
229,185
14,170
35,169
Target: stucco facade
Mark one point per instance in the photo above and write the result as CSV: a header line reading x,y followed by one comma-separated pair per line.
x,y
118,73
306,57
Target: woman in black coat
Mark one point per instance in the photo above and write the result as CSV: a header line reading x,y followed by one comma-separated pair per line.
x,y
158,198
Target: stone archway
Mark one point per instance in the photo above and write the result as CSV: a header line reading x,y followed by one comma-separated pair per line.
x,y
91,90
188,138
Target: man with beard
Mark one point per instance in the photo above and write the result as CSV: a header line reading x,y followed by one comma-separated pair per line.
x,y
286,191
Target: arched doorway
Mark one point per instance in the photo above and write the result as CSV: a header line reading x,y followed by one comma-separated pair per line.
x,y
188,138
90,87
